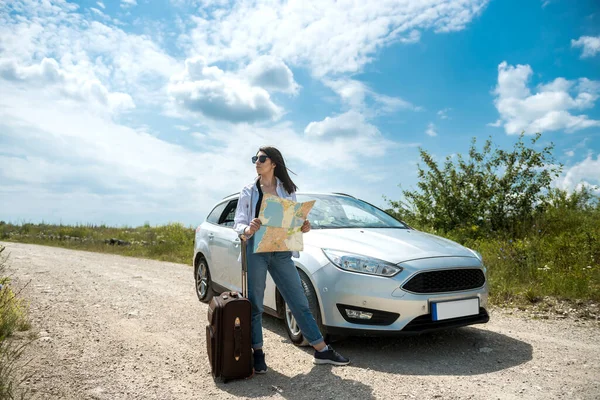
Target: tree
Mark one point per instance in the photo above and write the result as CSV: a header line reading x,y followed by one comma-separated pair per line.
x,y
493,189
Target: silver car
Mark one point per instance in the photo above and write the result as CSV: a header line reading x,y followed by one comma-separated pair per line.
x,y
363,271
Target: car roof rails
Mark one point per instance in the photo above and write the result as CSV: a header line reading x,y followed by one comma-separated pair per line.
x,y
344,194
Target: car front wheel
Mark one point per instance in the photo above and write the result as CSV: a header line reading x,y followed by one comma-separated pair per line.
x,y
203,283
291,326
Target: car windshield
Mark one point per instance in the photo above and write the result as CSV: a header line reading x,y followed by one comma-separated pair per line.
x,y
334,211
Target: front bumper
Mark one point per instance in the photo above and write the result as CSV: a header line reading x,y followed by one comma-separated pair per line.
x,y
397,310
422,324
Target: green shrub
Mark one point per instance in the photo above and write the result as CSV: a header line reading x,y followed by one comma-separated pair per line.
x,y
536,240
492,189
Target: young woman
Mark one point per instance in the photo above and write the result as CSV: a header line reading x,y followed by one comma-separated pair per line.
x,y
274,179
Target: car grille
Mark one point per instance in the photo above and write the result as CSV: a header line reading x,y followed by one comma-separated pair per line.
x,y
448,280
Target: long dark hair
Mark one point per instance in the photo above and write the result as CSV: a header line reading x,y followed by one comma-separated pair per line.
x,y
281,171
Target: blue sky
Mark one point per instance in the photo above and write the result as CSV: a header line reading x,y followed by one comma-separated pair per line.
x,y
134,111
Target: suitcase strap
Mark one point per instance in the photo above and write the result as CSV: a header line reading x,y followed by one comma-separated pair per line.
x,y
237,340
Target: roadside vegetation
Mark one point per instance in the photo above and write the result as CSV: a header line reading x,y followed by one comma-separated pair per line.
x,y
537,241
172,242
13,320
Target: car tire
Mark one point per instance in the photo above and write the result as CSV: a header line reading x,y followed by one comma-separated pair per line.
x,y
204,287
293,331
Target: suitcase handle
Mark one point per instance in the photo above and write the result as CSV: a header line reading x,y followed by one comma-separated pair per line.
x,y
244,266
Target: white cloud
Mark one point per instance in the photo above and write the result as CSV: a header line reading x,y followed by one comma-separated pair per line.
x,y
101,4
569,153
182,127
63,157
98,12
431,130
199,136
327,36
548,108
122,61
271,74
349,124
344,140
128,3
67,163
443,114
590,45
351,91
303,152
388,104
584,173
219,95
583,144
355,94
86,141
49,76
56,159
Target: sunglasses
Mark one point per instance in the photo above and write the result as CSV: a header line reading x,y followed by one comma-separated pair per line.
x,y
262,159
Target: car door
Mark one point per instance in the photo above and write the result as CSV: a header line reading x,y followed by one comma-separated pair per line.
x,y
209,230
229,248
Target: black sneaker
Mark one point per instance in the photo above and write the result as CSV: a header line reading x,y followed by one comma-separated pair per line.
x,y
260,366
330,356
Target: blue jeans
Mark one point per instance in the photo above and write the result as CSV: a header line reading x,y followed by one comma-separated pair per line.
x,y
284,274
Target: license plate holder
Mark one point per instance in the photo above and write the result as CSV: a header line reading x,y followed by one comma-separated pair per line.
x,y
454,308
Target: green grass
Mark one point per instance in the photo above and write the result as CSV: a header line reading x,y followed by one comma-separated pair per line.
x,y
13,318
172,242
539,266
557,255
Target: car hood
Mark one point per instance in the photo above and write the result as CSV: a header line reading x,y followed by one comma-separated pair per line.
x,y
388,244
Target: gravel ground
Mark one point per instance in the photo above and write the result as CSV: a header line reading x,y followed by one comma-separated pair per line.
x,y
113,327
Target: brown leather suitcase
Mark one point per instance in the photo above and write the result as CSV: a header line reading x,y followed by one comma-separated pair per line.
x,y
228,336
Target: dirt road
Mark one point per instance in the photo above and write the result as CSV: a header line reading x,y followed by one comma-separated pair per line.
x,y
114,327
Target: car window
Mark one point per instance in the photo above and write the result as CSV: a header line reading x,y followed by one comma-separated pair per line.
x,y
229,214
356,215
333,211
215,214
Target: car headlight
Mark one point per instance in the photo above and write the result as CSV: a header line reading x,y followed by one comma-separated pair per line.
x,y
361,264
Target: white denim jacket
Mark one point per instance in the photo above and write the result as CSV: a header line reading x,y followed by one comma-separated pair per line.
x,y
246,206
